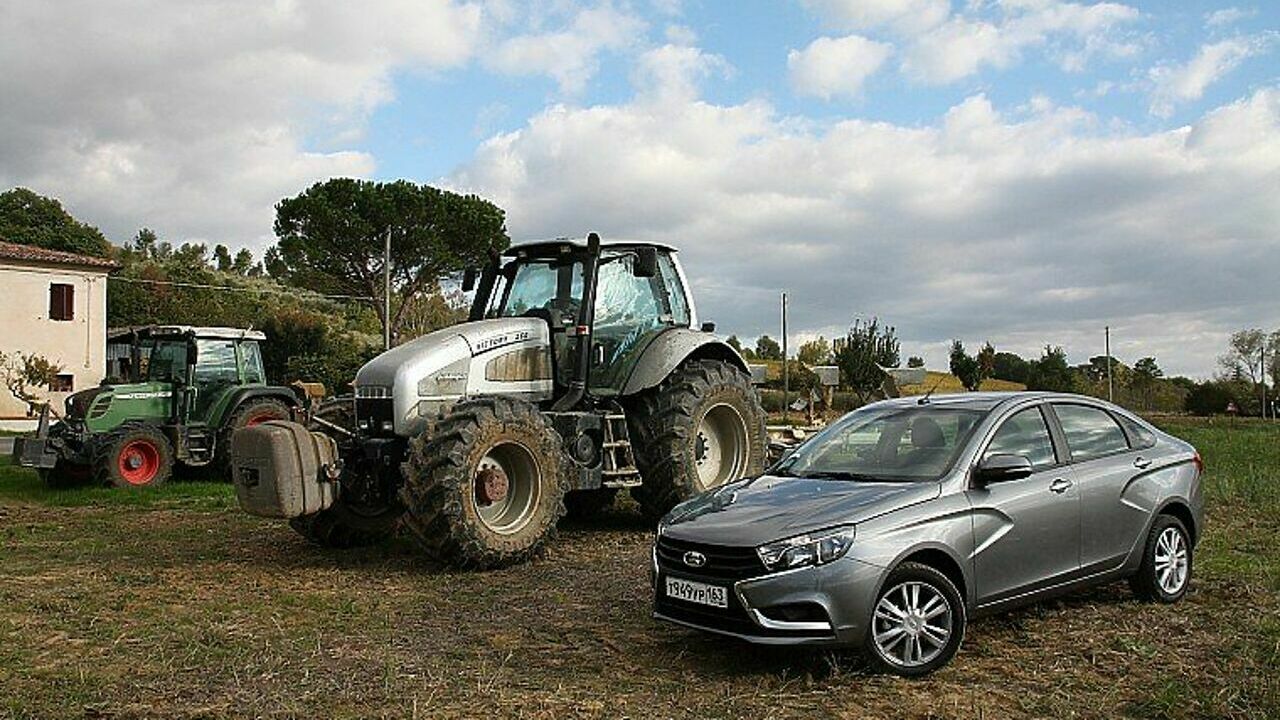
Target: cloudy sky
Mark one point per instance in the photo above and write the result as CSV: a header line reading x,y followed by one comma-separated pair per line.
x,y
1020,171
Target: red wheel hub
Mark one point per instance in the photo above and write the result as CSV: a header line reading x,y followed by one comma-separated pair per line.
x,y
139,462
491,485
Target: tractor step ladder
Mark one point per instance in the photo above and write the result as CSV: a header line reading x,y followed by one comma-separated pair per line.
x,y
619,459
198,441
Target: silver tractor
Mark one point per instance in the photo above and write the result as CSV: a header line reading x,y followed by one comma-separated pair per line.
x,y
582,370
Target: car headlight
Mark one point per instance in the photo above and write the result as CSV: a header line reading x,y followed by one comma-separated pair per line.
x,y
810,549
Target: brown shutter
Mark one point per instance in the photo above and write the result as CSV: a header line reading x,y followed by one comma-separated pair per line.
x,y
62,301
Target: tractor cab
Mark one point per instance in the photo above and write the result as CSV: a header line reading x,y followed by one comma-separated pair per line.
x,y
638,293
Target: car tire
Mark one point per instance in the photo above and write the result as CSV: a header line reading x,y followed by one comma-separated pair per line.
x,y
1165,572
929,630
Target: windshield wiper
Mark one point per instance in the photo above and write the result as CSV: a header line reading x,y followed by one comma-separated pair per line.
x,y
837,475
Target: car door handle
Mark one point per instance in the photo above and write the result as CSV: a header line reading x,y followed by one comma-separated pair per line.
x,y
1060,485
1142,463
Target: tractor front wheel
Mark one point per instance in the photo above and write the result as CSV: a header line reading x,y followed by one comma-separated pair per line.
x,y
700,428
65,474
133,456
487,488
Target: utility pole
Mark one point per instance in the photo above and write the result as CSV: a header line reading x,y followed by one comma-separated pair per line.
x,y
786,374
1110,390
1262,370
386,292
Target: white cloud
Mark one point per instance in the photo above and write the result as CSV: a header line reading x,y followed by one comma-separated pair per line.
x,y
672,73
1073,32
1176,84
570,55
1227,16
831,67
197,117
1026,229
904,16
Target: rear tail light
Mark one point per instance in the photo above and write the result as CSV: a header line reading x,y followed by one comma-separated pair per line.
x,y
1199,461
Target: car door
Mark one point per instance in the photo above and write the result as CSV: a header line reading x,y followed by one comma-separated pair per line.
x,y
1104,465
1026,531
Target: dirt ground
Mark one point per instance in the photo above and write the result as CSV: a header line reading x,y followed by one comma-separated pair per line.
x,y
178,605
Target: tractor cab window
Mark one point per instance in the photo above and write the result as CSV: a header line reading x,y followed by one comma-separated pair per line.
x,y
550,285
629,312
251,359
216,372
166,361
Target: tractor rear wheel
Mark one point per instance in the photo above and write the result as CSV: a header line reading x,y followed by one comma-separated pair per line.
x,y
348,522
247,414
485,487
133,455
699,429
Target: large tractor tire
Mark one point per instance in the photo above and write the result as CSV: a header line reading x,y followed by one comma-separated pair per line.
x,y
348,522
485,487
133,455
247,414
700,428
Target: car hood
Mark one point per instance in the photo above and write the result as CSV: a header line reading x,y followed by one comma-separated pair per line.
x,y
769,508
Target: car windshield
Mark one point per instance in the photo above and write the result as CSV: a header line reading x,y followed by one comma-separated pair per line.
x,y
919,443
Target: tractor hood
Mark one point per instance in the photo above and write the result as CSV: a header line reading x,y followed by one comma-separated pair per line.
x,y
427,374
78,403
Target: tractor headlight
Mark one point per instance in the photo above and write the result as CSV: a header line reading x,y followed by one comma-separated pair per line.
x,y
809,549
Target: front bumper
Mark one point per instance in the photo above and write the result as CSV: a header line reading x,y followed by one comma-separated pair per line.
x,y
826,605
35,452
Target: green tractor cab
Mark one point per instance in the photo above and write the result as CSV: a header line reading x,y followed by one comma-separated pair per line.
x,y
186,390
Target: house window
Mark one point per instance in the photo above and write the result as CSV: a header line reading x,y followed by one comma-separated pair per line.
x,y
62,301
62,383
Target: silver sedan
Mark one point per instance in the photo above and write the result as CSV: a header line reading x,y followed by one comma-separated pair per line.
x,y
898,523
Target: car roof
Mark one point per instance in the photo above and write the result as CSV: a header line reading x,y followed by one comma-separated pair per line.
x,y
558,245
990,400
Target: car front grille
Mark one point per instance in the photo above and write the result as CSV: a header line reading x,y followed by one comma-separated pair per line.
x,y
722,562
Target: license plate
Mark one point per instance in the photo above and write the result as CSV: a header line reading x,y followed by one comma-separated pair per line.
x,y
696,592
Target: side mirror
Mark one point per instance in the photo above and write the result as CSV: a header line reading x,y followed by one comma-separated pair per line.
x,y
468,280
646,264
1001,467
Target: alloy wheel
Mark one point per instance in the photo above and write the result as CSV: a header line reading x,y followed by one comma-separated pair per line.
x,y
1171,561
912,624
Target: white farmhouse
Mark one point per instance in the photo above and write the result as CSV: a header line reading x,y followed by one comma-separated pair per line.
x,y
53,304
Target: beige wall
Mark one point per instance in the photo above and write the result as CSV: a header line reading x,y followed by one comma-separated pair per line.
x,y
78,345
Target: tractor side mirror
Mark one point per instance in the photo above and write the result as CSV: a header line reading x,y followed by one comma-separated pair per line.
x,y
468,280
646,264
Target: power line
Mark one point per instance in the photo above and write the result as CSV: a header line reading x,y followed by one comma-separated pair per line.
x,y
226,288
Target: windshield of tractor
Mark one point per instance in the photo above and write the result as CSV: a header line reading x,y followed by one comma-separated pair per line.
x,y
166,361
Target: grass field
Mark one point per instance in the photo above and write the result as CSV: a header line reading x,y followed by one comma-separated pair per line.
x,y
174,604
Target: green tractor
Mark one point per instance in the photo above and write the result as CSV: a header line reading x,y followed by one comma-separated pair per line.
x,y
187,390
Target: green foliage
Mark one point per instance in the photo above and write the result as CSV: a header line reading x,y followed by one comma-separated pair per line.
x,y
815,352
1051,372
965,366
1010,366
867,348
1211,398
24,373
915,361
734,343
332,239
768,349
27,218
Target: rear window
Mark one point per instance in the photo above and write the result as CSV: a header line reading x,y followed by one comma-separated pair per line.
x,y
1140,436
1091,432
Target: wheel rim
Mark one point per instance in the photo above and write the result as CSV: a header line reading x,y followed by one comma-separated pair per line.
x,y
512,512
259,419
912,624
139,462
1172,561
720,446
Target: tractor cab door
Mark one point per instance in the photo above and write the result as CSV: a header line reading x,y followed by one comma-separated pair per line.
x,y
549,289
630,311
216,375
